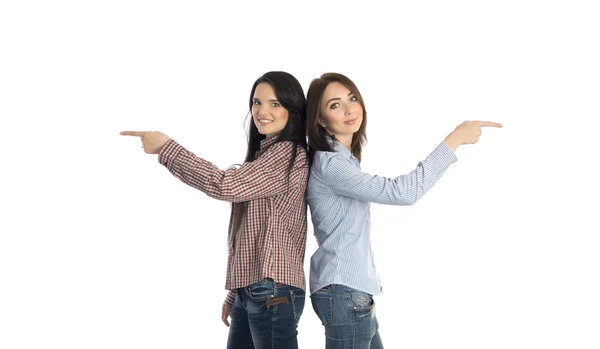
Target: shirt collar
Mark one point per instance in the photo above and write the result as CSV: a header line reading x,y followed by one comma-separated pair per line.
x,y
267,142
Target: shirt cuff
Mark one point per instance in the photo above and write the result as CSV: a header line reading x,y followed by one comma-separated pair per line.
x,y
444,155
230,299
168,154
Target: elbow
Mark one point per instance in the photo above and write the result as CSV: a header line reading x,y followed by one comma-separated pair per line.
x,y
403,201
407,199
222,195
411,200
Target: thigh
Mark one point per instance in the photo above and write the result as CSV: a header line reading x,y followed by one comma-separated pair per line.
x,y
365,322
239,328
274,311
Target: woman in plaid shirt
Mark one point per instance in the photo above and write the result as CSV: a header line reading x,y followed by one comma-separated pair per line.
x,y
267,231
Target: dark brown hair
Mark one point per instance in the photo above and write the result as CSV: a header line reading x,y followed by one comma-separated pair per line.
x,y
317,134
290,94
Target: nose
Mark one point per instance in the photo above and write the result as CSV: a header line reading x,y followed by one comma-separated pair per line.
x,y
263,109
348,110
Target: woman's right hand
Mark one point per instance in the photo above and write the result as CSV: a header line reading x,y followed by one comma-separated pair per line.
x,y
468,133
225,313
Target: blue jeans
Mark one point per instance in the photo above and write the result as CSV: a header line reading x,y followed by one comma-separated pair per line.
x,y
265,315
348,316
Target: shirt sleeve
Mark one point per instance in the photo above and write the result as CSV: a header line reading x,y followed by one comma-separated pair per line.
x,y
229,299
266,176
344,178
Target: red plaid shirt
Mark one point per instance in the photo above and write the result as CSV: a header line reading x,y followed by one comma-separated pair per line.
x,y
267,231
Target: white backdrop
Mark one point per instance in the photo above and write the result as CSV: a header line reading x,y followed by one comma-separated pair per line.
x,y
100,247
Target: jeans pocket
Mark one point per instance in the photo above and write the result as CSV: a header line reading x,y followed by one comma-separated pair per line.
x,y
261,291
363,302
322,305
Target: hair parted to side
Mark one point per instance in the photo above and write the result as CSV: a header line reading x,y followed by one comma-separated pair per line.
x,y
290,95
317,134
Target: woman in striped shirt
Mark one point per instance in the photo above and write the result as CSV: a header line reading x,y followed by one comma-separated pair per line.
x,y
343,278
267,231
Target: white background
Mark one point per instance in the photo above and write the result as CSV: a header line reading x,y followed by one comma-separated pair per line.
x,y
100,247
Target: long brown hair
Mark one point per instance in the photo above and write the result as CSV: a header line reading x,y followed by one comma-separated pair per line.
x,y
317,134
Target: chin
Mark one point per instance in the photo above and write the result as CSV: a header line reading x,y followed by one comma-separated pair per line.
x,y
269,132
356,128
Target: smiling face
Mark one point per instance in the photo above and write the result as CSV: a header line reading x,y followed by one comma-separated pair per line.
x,y
269,116
341,112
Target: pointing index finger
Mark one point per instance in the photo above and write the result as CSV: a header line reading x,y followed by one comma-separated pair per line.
x,y
132,133
489,124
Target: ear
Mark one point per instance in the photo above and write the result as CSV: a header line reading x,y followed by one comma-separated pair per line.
x,y
322,123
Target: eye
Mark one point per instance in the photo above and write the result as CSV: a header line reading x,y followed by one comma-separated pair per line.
x,y
353,99
334,106
256,102
275,104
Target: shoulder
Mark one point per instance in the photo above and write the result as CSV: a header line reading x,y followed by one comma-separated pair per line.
x,y
325,160
281,149
285,151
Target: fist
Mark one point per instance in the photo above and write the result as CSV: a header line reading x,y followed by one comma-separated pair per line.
x,y
225,313
152,141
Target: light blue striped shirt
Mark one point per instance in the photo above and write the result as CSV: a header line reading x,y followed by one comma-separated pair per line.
x,y
339,196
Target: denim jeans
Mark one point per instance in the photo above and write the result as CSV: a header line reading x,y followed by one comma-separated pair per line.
x,y
265,315
348,316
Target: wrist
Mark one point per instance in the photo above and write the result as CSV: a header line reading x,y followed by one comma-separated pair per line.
x,y
164,143
451,141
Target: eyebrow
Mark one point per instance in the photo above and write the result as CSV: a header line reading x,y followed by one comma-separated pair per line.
x,y
338,98
270,100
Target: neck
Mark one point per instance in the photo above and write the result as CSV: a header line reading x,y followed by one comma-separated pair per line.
x,y
346,141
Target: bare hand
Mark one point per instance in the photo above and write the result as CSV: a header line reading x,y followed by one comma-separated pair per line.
x,y
225,313
468,133
152,141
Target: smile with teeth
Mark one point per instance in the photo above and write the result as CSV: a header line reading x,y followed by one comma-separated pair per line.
x,y
265,121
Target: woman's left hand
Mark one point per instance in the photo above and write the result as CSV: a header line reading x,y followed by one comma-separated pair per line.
x,y
152,141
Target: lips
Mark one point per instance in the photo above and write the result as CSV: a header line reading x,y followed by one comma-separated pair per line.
x,y
264,121
351,122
